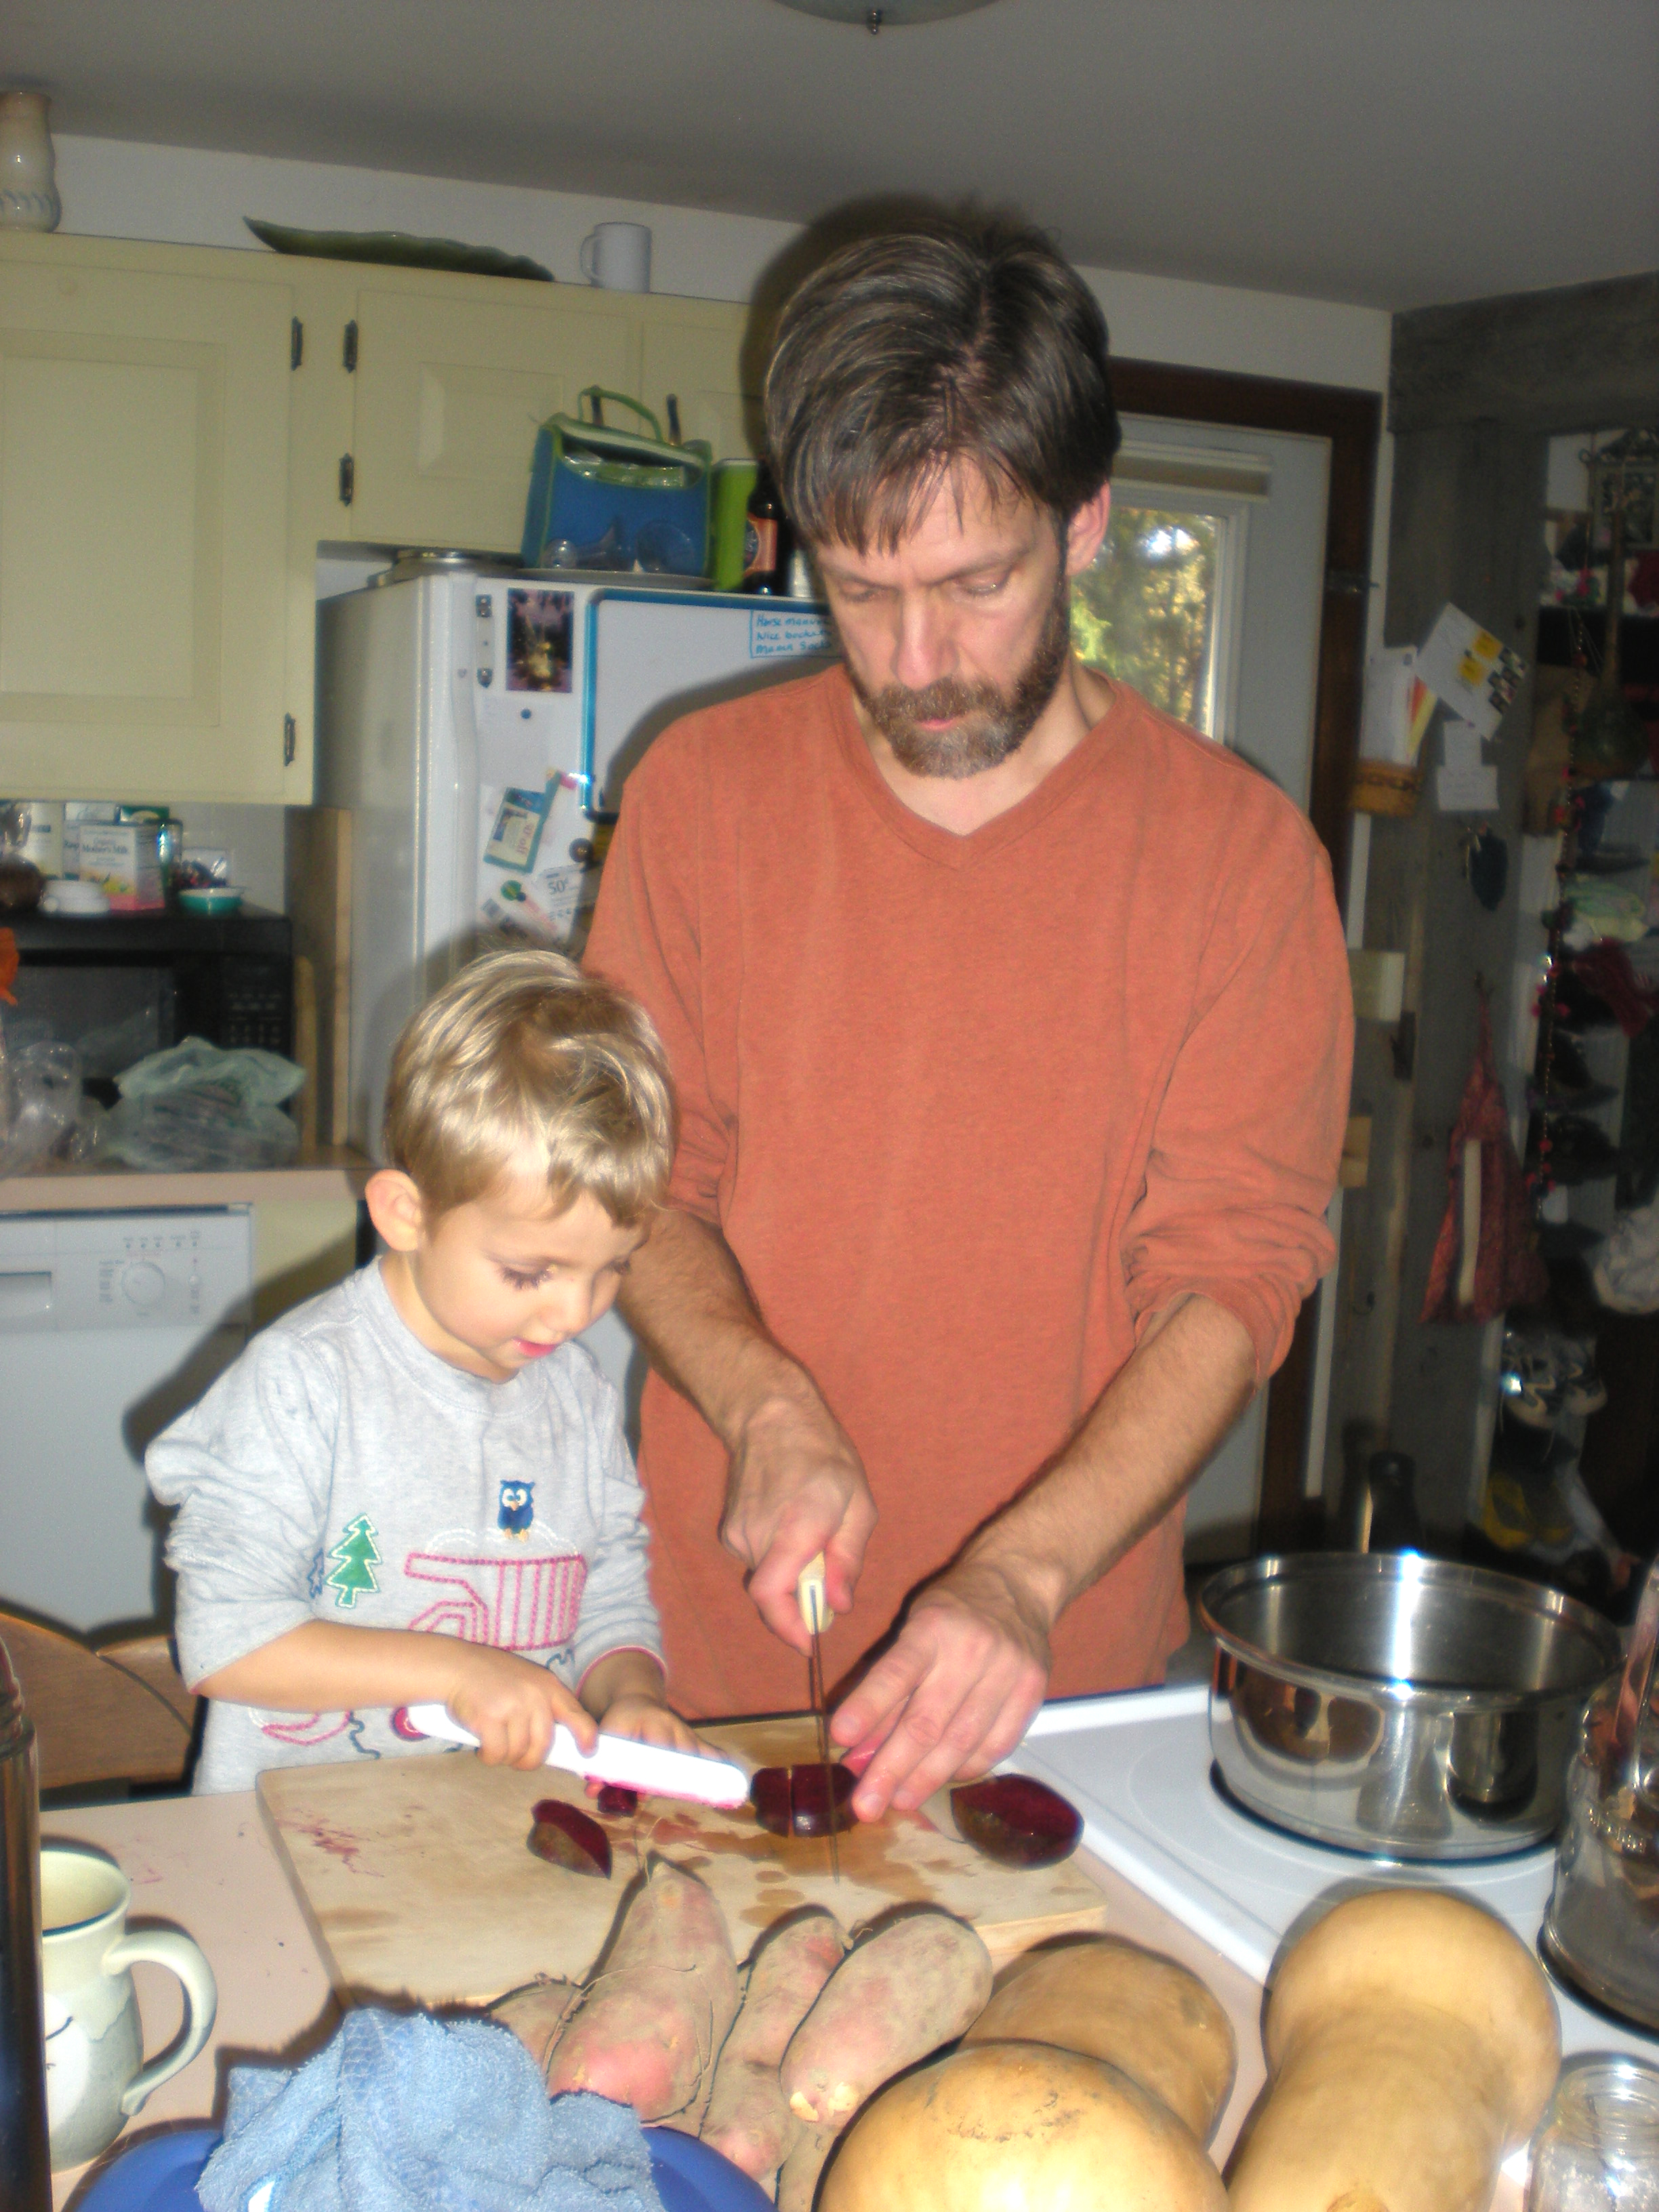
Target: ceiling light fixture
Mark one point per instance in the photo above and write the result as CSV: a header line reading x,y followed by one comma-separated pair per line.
x,y
878,15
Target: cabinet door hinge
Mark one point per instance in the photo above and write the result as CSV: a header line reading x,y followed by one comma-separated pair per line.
x,y
290,740
296,342
348,478
348,351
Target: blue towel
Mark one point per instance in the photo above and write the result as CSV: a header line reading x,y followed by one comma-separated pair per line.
x,y
400,2112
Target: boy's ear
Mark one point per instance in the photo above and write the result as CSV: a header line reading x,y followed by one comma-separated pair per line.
x,y
395,1208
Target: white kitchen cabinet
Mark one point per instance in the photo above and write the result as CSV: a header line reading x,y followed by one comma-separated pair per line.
x,y
143,526
181,428
451,383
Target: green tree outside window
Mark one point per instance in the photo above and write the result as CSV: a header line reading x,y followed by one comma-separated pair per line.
x,y
1143,608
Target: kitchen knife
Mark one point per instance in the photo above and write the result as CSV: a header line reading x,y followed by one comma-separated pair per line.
x,y
817,1615
619,1759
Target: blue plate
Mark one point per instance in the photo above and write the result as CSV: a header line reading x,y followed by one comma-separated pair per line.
x,y
159,2175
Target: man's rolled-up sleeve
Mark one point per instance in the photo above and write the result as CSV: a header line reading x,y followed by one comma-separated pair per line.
x,y
1249,1136
646,939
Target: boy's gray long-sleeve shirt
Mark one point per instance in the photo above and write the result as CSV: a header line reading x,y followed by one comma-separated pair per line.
x,y
342,1472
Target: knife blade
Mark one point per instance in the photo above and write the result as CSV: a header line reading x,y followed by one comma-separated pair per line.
x,y
816,1616
650,1768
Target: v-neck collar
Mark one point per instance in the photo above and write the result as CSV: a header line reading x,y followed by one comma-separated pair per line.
x,y
948,848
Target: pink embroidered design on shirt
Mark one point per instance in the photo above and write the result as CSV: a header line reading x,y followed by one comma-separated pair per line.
x,y
517,1605
308,1727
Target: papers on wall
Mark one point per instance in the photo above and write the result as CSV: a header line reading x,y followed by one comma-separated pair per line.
x,y
1469,670
1397,707
1465,784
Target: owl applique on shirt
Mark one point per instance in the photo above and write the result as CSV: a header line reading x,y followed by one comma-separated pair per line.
x,y
515,1514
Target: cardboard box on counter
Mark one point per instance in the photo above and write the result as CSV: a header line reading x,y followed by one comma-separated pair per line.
x,y
124,860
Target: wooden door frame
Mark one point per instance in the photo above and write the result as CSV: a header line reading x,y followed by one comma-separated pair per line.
x,y
1351,421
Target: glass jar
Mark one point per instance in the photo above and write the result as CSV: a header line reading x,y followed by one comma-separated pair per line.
x,y
1598,2150
28,191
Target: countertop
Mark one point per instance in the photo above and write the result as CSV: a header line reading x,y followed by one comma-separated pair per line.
x,y
206,1864
324,1172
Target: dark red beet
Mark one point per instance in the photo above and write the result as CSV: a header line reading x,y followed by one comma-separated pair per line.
x,y
1016,1821
617,1803
565,1837
804,1800
768,1793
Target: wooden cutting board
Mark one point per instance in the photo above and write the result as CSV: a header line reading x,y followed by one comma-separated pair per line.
x,y
417,1880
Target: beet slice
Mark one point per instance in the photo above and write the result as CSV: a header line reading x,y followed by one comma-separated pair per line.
x,y
1016,1821
617,1803
804,1800
565,1837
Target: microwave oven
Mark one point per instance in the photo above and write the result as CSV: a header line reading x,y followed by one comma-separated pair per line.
x,y
118,986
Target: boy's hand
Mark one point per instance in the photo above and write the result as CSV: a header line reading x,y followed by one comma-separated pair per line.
x,y
624,1691
646,1719
513,1706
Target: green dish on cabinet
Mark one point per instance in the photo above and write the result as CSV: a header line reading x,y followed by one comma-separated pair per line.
x,y
398,249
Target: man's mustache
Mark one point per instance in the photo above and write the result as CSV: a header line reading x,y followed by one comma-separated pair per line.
x,y
943,700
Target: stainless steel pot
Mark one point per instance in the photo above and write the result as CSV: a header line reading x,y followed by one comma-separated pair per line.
x,y
1405,1707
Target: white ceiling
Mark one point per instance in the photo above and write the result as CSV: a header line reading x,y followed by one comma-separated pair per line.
x,y
1391,152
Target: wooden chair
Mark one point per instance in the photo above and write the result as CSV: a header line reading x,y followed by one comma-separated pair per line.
x,y
115,1713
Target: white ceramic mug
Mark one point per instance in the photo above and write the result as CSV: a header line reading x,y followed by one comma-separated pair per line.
x,y
96,2079
616,257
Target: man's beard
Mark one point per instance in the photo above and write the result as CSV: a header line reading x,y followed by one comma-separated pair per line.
x,y
993,723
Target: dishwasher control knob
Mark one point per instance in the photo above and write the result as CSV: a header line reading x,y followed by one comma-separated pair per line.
x,y
143,1285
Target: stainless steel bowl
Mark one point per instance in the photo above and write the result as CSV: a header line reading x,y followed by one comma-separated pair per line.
x,y
1405,1707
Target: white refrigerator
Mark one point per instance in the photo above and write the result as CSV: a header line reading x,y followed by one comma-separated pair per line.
x,y
478,726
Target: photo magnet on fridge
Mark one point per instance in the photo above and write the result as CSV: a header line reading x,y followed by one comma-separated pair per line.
x,y
518,831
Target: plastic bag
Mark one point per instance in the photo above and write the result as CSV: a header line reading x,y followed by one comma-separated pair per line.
x,y
197,1107
40,1102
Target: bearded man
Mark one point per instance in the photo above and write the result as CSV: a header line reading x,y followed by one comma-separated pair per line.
x,y
1009,1021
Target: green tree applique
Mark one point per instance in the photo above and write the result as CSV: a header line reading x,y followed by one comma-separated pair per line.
x,y
354,1558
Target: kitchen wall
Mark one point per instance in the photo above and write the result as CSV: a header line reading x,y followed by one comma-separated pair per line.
x,y
112,189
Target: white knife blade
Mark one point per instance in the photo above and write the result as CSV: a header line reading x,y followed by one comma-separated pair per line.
x,y
649,1768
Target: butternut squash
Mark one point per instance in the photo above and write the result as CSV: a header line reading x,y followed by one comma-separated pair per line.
x,y
1412,2043
1002,2127
1142,2013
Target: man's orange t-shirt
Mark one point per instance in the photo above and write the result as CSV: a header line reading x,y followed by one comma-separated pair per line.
x,y
969,1111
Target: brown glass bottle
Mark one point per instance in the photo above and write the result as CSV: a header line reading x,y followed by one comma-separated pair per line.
x,y
768,540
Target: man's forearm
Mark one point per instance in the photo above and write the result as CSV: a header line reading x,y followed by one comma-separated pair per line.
x,y
1150,1432
794,1486
686,1297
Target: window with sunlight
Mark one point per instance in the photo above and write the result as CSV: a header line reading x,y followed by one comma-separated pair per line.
x,y
1146,608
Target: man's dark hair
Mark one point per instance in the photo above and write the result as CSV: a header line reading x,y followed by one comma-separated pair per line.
x,y
907,356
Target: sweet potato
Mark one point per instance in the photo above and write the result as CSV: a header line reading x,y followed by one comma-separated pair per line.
x,y
652,2021
536,2013
797,2179
914,1984
748,2120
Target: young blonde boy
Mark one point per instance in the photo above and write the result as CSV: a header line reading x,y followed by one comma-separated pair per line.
x,y
415,1487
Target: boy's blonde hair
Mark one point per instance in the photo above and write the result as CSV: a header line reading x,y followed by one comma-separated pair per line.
x,y
524,1053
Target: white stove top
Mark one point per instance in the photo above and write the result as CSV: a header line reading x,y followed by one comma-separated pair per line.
x,y
1137,1767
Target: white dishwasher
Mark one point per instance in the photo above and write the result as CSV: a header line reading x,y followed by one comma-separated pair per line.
x,y
110,1325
